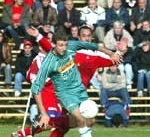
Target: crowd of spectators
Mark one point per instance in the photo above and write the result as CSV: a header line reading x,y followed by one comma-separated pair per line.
x,y
112,21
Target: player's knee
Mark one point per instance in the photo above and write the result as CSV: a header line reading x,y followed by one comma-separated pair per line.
x,y
81,122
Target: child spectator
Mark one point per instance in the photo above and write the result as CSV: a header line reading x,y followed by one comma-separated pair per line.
x,y
23,62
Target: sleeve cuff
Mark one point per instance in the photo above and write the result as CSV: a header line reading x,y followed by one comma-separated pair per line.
x,y
39,37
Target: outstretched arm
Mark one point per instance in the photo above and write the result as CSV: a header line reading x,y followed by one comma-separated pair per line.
x,y
46,45
115,57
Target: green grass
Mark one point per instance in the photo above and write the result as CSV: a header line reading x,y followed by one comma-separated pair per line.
x,y
98,131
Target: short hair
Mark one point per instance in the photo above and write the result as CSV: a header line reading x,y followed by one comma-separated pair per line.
x,y
118,23
84,27
117,120
60,36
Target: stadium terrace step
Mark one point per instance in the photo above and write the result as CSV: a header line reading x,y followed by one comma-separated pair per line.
x,y
13,98
12,106
8,115
12,90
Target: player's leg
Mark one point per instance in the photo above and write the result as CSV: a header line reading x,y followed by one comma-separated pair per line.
x,y
71,103
84,129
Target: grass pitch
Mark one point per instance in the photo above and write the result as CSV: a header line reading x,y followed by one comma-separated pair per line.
x,y
98,131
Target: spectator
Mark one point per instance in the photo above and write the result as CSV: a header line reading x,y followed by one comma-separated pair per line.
x,y
17,17
114,85
140,13
94,16
117,13
117,33
5,60
142,34
142,58
68,17
23,62
116,114
45,29
37,4
130,4
45,15
28,2
74,33
57,4
126,65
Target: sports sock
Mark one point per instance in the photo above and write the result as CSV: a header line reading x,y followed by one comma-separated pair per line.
x,y
85,132
28,131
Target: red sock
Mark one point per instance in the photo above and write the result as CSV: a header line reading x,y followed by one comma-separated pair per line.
x,y
28,131
57,133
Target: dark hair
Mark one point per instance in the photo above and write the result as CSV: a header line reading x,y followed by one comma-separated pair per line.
x,y
60,36
117,120
84,27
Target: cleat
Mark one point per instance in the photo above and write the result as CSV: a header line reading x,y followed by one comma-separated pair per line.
x,y
35,126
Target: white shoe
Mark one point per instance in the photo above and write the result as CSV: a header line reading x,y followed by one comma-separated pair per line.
x,y
17,93
21,46
140,93
129,86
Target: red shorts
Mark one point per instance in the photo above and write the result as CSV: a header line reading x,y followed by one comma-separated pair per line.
x,y
50,102
62,121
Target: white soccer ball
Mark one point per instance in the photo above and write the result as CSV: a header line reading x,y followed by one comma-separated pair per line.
x,y
88,109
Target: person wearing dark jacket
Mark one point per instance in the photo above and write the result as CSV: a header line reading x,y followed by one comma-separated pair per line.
x,y
142,59
116,114
142,34
23,62
68,17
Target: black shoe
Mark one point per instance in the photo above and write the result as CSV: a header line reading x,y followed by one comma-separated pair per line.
x,y
35,126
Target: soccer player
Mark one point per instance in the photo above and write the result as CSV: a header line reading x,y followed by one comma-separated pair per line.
x,y
85,35
60,66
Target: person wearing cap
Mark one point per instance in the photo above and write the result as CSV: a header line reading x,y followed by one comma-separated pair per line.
x,y
141,59
23,62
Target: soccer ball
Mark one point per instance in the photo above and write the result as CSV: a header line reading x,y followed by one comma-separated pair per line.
x,y
88,109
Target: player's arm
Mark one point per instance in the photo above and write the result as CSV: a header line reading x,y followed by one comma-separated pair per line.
x,y
46,45
44,118
115,57
77,45
37,86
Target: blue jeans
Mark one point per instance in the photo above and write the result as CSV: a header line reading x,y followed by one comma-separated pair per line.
x,y
7,73
19,78
127,68
15,33
120,93
140,83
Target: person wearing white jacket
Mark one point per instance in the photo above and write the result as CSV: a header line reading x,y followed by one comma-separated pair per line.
x,y
94,16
